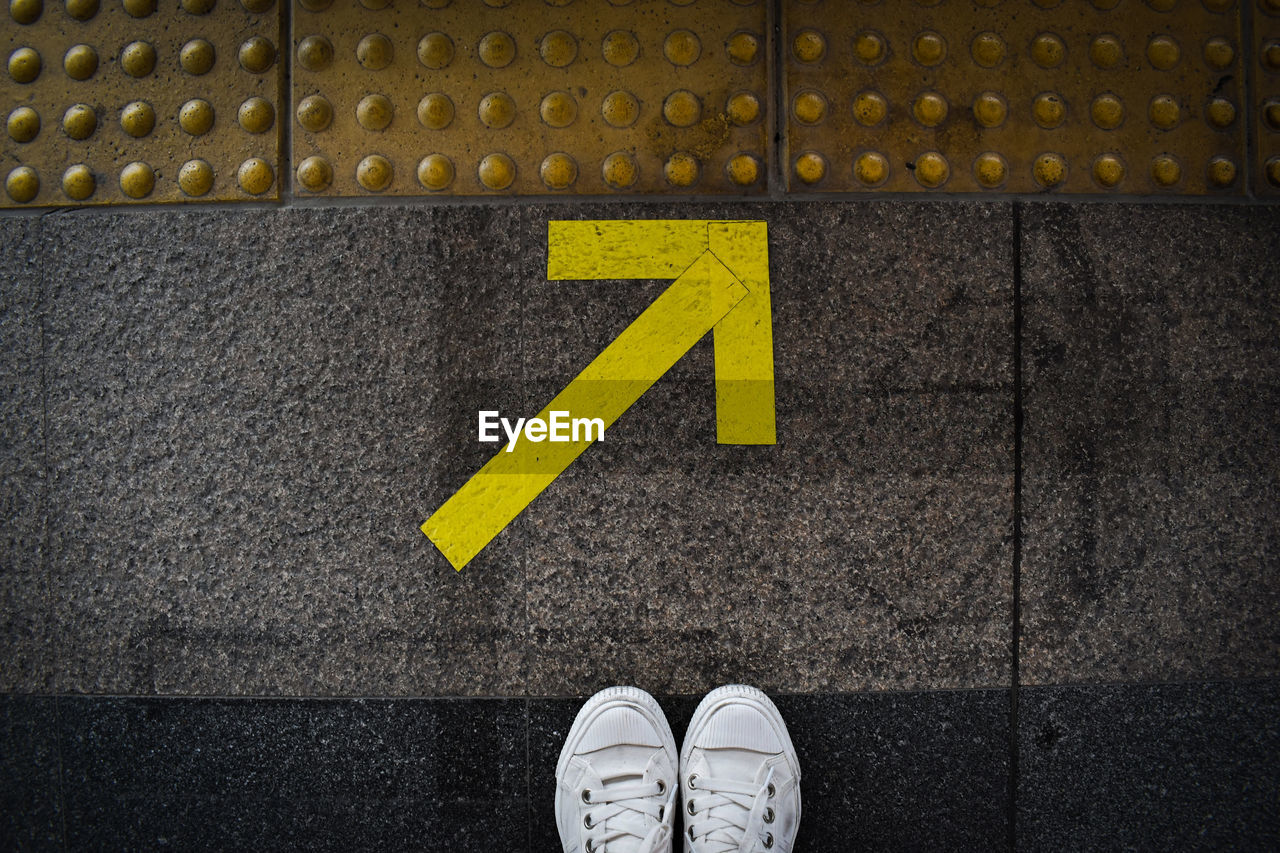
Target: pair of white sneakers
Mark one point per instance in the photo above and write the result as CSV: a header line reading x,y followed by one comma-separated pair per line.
x,y
618,776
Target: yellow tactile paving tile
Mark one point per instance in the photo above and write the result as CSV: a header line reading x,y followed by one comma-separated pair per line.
x,y
122,101
530,97
158,101
1131,97
1266,30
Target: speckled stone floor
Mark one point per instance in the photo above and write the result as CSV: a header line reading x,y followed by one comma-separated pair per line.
x,y
1012,569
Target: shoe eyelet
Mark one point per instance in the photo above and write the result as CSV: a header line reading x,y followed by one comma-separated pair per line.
x,y
768,815
662,787
590,846
691,833
771,790
692,779
586,821
586,795
662,813
768,840
689,807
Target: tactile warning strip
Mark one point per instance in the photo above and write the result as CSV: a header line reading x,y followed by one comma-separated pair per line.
x,y
121,101
1126,96
1266,28
530,97
128,101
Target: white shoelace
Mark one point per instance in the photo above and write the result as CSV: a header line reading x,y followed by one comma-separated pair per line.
x,y
621,811
724,810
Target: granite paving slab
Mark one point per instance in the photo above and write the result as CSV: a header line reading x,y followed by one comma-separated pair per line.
x,y
1151,358
323,775
25,657
1149,767
891,771
246,412
870,548
30,775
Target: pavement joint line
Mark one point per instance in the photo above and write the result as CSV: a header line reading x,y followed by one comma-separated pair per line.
x,y
569,202
285,98
1015,645
1207,681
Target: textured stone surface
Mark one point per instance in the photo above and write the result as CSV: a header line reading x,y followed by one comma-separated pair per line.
x,y
897,771
250,413
1142,767
869,548
328,775
25,657
903,771
246,414
1149,767
30,795
1151,350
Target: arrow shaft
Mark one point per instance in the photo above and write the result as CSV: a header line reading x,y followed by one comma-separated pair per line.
x,y
744,339
686,311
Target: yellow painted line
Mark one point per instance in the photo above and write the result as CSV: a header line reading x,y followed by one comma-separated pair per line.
x,y
744,338
658,248
624,248
665,331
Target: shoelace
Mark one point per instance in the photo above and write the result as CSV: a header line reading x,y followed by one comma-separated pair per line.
x,y
622,811
724,810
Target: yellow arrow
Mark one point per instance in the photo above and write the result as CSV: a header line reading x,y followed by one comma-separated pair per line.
x,y
661,248
688,309
744,338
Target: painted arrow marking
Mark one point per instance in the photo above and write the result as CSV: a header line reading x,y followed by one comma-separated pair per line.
x,y
721,272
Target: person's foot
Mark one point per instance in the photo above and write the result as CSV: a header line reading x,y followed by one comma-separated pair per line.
x,y
616,781
739,776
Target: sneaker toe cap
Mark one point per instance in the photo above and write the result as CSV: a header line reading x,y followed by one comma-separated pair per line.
x,y
741,726
620,725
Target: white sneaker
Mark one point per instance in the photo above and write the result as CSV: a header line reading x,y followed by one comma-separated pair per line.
x,y
616,781
739,776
